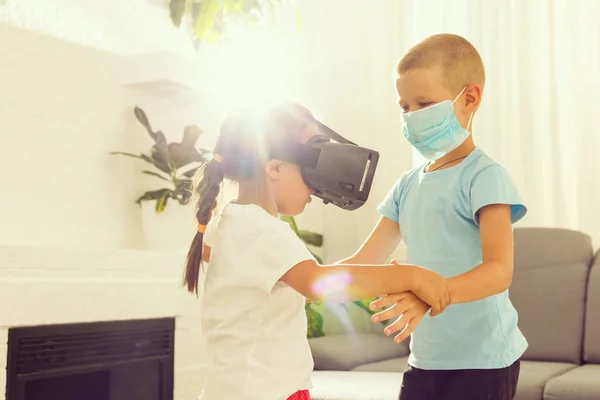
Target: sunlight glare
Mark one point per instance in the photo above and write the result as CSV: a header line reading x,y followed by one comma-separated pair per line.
x,y
250,67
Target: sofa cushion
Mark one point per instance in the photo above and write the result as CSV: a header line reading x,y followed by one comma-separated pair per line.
x,y
393,365
548,291
591,350
337,385
581,383
536,247
534,375
344,352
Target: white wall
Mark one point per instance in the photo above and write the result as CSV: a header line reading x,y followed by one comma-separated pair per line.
x,y
113,25
61,111
63,108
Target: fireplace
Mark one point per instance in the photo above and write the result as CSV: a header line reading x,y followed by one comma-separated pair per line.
x,y
120,360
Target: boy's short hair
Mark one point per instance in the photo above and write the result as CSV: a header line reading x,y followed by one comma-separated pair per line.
x,y
460,62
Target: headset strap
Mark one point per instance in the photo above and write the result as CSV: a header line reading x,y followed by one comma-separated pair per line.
x,y
327,131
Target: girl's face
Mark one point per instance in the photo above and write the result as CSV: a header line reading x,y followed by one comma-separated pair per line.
x,y
287,186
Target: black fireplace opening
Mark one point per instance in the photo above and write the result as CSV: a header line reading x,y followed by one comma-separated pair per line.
x,y
117,360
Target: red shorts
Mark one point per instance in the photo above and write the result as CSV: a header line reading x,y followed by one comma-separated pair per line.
x,y
300,395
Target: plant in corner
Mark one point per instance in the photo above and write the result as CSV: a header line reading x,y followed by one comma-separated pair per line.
x,y
315,318
211,19
174,163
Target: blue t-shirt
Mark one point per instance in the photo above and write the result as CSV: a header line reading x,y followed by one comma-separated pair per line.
x,y
437,214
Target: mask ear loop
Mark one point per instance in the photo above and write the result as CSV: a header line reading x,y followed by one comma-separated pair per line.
x,y
471,116
470,119
460,94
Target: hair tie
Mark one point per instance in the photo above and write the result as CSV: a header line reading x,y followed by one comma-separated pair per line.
x,y
218,158
201,228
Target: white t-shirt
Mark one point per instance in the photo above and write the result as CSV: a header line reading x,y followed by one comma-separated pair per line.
x,y
253,325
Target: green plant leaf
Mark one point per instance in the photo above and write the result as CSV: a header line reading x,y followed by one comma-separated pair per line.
x,y
291,221
364,304
232,7
183,190
156,175
208,10
314,322
311,238
185,152
161,202
158,136
160,152
177,9
152,195
319,259
140,156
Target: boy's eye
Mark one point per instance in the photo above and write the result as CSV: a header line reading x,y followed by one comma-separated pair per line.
x,y
425,104
405,108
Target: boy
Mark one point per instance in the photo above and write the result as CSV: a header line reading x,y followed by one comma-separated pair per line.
x,y
455,214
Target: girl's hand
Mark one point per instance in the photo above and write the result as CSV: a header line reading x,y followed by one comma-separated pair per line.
x,y
408,306
432,288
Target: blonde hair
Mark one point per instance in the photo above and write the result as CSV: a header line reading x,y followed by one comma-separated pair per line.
x,y
459,61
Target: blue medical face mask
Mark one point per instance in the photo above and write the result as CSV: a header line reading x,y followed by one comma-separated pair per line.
x,y
434,131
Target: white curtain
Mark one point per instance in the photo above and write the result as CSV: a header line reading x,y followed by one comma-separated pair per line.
x,y
540,115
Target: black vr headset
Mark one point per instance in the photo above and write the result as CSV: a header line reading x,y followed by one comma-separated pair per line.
x,y
340,172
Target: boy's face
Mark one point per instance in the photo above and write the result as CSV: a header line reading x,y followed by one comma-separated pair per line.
x,y
422,87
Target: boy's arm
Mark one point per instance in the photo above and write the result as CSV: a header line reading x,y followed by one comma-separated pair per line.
x,y
494,274
379,245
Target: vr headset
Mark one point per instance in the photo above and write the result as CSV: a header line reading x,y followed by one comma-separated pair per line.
x,y
340,172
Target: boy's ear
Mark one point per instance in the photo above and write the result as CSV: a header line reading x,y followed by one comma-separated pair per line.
x,y
272,169
472,98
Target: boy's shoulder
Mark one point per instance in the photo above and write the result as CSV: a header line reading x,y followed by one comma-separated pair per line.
x,y
483,167
481,161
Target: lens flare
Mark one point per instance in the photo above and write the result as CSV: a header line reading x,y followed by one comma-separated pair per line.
x,y
250,67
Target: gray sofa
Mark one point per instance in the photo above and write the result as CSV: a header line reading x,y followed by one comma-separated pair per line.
x,y
556,289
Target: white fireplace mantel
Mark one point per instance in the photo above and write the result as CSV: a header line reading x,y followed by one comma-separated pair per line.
x,y
40,286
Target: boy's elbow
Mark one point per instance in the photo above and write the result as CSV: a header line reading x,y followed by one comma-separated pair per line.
x,y
505,277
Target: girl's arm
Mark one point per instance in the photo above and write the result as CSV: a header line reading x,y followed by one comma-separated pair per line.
x,y
343,283
205,253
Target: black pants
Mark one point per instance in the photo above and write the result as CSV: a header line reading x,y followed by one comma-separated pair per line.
x,y
462,384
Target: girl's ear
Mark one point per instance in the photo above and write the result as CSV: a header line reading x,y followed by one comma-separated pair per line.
x,y
272,169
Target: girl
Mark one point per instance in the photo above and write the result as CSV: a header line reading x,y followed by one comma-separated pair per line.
x,y
259,272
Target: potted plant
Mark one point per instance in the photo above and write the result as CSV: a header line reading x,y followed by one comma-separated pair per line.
x,y
174,164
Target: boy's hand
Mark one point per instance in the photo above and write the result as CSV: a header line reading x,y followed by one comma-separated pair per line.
x,y
407,306
432,288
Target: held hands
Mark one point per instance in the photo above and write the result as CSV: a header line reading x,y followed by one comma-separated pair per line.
x,y
430,291
432,288
409,309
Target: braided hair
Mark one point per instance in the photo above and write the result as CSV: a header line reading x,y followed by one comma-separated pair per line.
x,y
242,148
207,189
